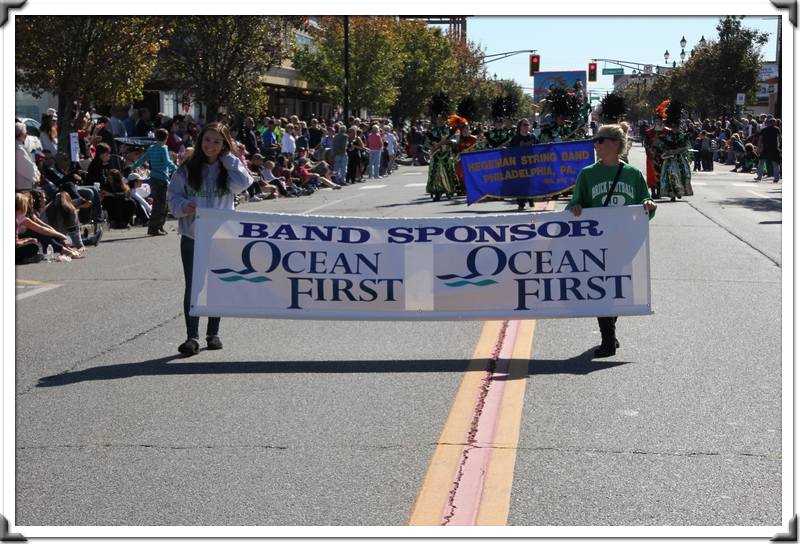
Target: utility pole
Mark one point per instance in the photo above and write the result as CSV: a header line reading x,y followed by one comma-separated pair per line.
x,y
346,68
778,52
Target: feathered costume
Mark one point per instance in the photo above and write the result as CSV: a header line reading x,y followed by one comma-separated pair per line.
x,y
442,178
497,137
672,145
612,110
564,116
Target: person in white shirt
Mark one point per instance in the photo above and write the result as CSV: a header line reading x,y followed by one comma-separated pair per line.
x,y
26,173
288,146
138,194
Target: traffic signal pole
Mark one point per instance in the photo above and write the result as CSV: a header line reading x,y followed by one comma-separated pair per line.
x,y
501,56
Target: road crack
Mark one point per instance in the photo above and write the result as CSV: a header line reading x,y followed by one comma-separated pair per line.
x,y
470,445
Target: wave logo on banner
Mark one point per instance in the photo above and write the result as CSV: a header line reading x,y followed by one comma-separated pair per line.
x,y
472,268
525,172
242,275
465,280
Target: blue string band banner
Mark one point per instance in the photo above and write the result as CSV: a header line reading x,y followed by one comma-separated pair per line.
x,y
525,172
510,266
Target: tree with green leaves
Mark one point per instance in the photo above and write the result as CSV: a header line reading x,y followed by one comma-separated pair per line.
x,y
727,66
716,72
86,59
469,71
427,64
375,60
220,60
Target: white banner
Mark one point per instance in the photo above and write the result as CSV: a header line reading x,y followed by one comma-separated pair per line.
x,y
492,267
74,147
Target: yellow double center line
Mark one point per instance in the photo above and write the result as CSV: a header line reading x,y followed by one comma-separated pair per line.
x,y
434,501
435,494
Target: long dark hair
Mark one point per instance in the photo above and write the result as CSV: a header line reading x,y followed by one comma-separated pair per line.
x,y
195,164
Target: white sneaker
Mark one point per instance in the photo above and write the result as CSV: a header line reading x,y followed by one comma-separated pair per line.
x,y
254,198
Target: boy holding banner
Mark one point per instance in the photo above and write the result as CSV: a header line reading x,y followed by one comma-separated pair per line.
x,y
610,182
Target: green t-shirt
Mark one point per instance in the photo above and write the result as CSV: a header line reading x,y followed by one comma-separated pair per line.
x,y
595,181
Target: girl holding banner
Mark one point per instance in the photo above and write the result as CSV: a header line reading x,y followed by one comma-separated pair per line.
x,y
208,179
625,186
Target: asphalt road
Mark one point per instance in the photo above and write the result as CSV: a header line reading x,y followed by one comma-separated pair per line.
x,y
306,423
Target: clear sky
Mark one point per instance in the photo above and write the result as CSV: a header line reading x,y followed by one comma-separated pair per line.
x,y
568,43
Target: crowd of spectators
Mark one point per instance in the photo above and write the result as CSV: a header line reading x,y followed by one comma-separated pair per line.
x,y
116,181
748,144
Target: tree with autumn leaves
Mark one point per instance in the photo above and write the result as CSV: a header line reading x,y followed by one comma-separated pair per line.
x,y
396,65
220,60
86,60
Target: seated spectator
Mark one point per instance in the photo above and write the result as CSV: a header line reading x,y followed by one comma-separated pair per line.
x,y
102,163
308,178
735,149
268,176
72,181
28,222
261,190
118,202
27,250
62,215
283,170
748,161
144,202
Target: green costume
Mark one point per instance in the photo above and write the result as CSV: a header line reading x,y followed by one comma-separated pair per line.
x,y
676,175
595,181
442,171
497,137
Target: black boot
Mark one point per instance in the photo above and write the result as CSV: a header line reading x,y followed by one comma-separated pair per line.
x,y
609,344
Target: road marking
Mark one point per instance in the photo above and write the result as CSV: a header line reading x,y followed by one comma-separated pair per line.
x,y
699,183
332,203
764,196
32,288
743,184
496,499
411,173
435,491
469,480
365,187
471,472
415,185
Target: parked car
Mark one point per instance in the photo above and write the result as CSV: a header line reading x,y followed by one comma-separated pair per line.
x,y
31,124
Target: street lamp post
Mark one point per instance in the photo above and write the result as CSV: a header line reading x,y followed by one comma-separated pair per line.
x,y
666,56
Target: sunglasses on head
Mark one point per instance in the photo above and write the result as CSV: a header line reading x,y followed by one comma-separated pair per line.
x,y
601,139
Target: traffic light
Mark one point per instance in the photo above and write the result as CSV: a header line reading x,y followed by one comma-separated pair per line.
x,y
534,64
592,71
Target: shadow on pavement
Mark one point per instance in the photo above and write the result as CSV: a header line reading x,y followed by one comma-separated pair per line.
x,y
177,365
415,202
755,204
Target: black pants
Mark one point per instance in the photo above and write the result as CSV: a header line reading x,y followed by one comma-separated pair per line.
x,y
193,322
158,215
608,329
25,253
